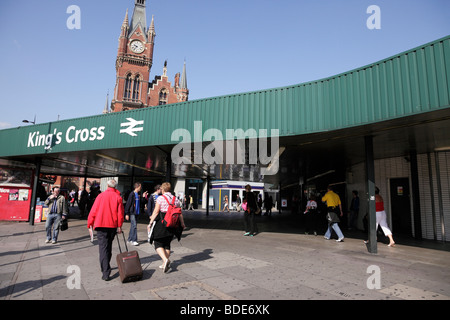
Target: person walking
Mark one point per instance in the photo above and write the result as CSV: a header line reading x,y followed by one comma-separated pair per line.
x,y
249,214
268,204
334,208
184,202
226,204
162,236
72,197
83,200
311,215
152,200
381,218
191,203
106,217
354,211
58,211
238,203
133,209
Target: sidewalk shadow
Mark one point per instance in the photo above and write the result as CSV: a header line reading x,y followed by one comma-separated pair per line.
x,y
20,289
196,257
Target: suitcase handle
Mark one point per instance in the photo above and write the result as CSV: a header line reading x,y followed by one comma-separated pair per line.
x,y
118,242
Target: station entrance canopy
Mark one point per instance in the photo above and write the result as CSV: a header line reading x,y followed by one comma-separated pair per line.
x,y
402,102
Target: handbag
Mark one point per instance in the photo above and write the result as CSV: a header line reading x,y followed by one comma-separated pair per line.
x,y
64,225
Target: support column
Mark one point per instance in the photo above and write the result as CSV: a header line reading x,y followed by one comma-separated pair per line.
x,y
37,173
370,178
85,176
415,194
168,167
208,180
439,194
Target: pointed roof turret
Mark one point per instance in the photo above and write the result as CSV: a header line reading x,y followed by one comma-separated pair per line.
x,y
183,82
151,31
152,24
139,17
106,109
125,21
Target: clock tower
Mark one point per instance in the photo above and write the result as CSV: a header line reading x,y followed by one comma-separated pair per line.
x,y
134,61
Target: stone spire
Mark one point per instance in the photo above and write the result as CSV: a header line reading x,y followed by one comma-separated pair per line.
x,y
183,82
139,17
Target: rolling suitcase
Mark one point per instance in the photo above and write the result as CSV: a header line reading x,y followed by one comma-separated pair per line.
x,y
129,264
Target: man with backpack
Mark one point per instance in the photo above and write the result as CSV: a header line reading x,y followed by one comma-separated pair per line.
x,y
168,221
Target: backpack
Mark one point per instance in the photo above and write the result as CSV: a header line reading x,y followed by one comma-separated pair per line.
x,y
172,217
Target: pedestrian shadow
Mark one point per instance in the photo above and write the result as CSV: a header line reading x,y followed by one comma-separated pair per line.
x,y
192,258
145,262
19,289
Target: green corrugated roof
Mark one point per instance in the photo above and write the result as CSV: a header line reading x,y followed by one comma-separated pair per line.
x,y
410,83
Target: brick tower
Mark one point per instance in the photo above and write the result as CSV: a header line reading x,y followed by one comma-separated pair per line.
x,y
134,61
133,89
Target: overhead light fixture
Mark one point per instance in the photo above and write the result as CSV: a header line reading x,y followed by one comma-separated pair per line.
x,y
128,163
442,149
320,175
28,121
82,165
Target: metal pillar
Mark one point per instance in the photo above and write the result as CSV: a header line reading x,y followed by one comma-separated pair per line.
x,y
439,194
37,172
85,177
415,194
168,167
370,178
208,180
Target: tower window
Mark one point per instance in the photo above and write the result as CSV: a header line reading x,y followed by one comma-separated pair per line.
x,y
136,88
127,93
163,97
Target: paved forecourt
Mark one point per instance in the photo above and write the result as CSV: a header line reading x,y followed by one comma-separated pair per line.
x,y
214,261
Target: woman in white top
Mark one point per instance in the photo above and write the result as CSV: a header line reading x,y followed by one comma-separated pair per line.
x,y
161,235
311,216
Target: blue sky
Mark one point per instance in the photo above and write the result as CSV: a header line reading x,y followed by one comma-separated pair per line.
x,y
230,46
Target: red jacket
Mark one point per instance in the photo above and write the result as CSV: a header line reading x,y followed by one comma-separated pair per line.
x,y
107,211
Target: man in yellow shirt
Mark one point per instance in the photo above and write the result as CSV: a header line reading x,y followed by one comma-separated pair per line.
x,y
334,211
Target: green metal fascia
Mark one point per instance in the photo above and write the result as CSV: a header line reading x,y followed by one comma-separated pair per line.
x,y
409,83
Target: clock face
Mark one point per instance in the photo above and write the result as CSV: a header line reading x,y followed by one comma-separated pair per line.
x,y
137,46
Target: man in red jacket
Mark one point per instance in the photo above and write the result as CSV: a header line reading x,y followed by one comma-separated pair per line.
x,y
106,217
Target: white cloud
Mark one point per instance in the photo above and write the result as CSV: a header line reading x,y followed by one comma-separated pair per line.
x,y
5,125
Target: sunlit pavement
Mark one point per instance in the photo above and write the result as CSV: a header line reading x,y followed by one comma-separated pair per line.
x,y
215,261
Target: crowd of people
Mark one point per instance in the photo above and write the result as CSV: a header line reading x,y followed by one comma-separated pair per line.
x,y
108,210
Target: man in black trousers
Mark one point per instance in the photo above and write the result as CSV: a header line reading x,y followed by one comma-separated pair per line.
x,y
106,217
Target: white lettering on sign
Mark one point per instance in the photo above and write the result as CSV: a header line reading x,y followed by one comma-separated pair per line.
x,y
73,134
4,190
